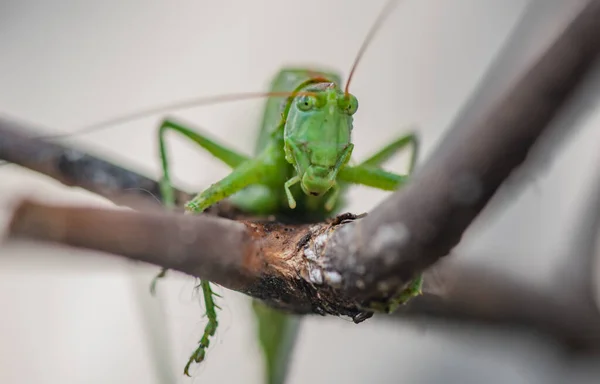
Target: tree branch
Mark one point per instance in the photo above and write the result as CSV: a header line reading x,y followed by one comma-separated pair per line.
x,y
264,259
203,246
344,266
73,167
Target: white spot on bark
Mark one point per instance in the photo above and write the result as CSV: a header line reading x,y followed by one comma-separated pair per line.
x,y
315,275
388,239
310,254
320,242
333,278
360,284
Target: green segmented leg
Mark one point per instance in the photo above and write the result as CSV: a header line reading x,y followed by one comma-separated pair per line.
x,y
229,157
221,152
250,172
209,330
288,184
332,199
383,155
371,177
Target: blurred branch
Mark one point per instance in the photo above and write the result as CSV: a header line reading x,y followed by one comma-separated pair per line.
x,y
344,266
200,245
73,167
481,296
578,271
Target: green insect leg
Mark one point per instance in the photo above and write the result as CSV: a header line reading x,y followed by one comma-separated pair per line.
x,y
335,191
226,155
248,173
209,330
160,275
229,157
288,184
383,155
413,289
371,177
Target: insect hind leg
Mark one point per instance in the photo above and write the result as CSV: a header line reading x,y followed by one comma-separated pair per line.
x,y
228,185
410,140
210,328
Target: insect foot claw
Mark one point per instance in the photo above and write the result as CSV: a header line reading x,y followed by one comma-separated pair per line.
x,y
209,330
192,206
196,357
292,202
361,316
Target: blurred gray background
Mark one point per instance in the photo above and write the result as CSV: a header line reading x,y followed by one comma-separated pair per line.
x,y
81,317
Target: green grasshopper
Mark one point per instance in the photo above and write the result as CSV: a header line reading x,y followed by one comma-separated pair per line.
x,y
300,167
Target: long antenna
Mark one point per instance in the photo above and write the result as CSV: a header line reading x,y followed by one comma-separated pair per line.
x,y
203,101
385,12
178,105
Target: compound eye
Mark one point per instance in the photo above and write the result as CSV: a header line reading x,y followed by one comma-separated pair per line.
x,y
352,105
306,102
348,103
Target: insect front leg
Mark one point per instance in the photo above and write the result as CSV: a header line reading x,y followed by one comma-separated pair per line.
x,y
340,164
245,172
288,184
253,171
221,152
383,155
299,160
